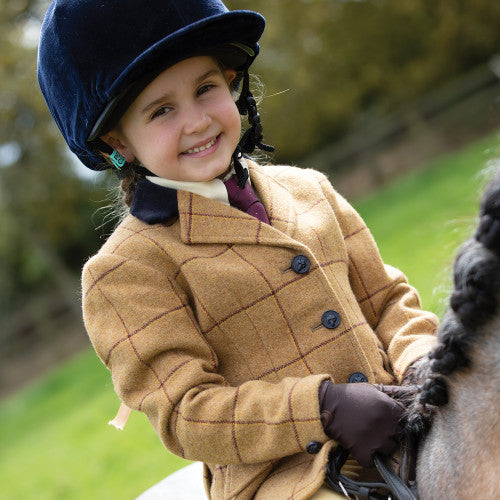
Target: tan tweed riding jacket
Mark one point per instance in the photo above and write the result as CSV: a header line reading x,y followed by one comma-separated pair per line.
x,y
213,327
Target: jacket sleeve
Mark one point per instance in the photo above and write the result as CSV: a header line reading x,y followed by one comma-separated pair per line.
x,y
390,305
142,327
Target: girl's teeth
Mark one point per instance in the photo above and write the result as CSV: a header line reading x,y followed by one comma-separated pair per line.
x,y
202,148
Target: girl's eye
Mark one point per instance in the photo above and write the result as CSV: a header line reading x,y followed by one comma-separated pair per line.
x,y
205,88
159,112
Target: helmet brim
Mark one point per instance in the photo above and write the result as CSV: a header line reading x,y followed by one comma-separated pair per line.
x,y
236,31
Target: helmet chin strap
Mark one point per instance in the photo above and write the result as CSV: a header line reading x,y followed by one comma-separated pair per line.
x,y
253,137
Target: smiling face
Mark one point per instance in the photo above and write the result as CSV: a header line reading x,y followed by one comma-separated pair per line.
x,y
184,126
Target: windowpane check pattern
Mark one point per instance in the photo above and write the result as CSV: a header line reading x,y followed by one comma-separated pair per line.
x,y
210,327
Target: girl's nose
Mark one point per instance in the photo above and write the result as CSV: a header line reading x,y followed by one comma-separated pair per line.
x,y
196,120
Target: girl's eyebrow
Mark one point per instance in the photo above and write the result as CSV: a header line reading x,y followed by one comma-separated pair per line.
x,y
209,73
161,99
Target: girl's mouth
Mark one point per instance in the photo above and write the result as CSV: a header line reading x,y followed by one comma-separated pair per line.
x,y
203,148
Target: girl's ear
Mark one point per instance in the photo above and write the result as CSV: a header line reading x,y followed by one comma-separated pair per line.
x,y
112,140
230,75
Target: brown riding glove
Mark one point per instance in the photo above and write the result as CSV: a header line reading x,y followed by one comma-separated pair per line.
x,y
361,418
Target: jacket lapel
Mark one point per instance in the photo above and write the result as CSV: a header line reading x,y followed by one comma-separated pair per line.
x,y
206,221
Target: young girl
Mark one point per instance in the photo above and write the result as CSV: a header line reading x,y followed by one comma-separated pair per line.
x,y
235,304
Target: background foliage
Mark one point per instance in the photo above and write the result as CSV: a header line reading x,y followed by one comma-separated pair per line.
x,y
46,212
338,59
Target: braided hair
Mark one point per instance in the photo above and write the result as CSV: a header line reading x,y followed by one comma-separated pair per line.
x,y
474,302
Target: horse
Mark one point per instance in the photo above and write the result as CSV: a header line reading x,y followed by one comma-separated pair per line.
x,y
454,414
450,430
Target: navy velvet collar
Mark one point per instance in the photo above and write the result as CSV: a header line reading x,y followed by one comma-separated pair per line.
x,y
153,203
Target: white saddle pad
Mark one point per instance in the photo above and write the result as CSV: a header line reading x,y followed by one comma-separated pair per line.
x,y
184,484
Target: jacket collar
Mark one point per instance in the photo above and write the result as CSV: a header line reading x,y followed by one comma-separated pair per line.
x,y
206,221
152,203
203,220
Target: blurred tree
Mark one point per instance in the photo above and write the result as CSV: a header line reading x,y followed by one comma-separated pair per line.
x,y
335,59
46,210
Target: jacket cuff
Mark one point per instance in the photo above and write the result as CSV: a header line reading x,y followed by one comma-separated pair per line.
x,y
306,395
412,353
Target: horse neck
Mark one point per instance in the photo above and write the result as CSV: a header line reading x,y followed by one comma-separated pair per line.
x,y
459,456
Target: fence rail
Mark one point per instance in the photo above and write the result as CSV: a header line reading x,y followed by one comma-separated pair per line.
x,y
381,147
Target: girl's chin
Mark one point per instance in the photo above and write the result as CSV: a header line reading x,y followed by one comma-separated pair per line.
x,y
228,169
214,172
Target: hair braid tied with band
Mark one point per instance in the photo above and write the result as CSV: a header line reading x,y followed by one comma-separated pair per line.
x,y
473,303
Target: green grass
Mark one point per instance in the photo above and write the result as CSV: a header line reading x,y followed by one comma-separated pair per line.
x,y
55,442
419,220
54,439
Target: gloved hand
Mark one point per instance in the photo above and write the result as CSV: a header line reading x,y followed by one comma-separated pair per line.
x,y
361,418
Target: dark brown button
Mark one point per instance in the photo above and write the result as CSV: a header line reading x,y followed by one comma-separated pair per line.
x,y
357,377
330,319
313,447
301,264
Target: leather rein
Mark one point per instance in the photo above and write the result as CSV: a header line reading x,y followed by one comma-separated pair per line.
x,y
393,487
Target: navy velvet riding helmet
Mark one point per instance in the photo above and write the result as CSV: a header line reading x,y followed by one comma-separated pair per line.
x,y
96,56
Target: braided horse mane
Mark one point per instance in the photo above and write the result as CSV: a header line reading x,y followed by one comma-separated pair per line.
x,y
455,414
